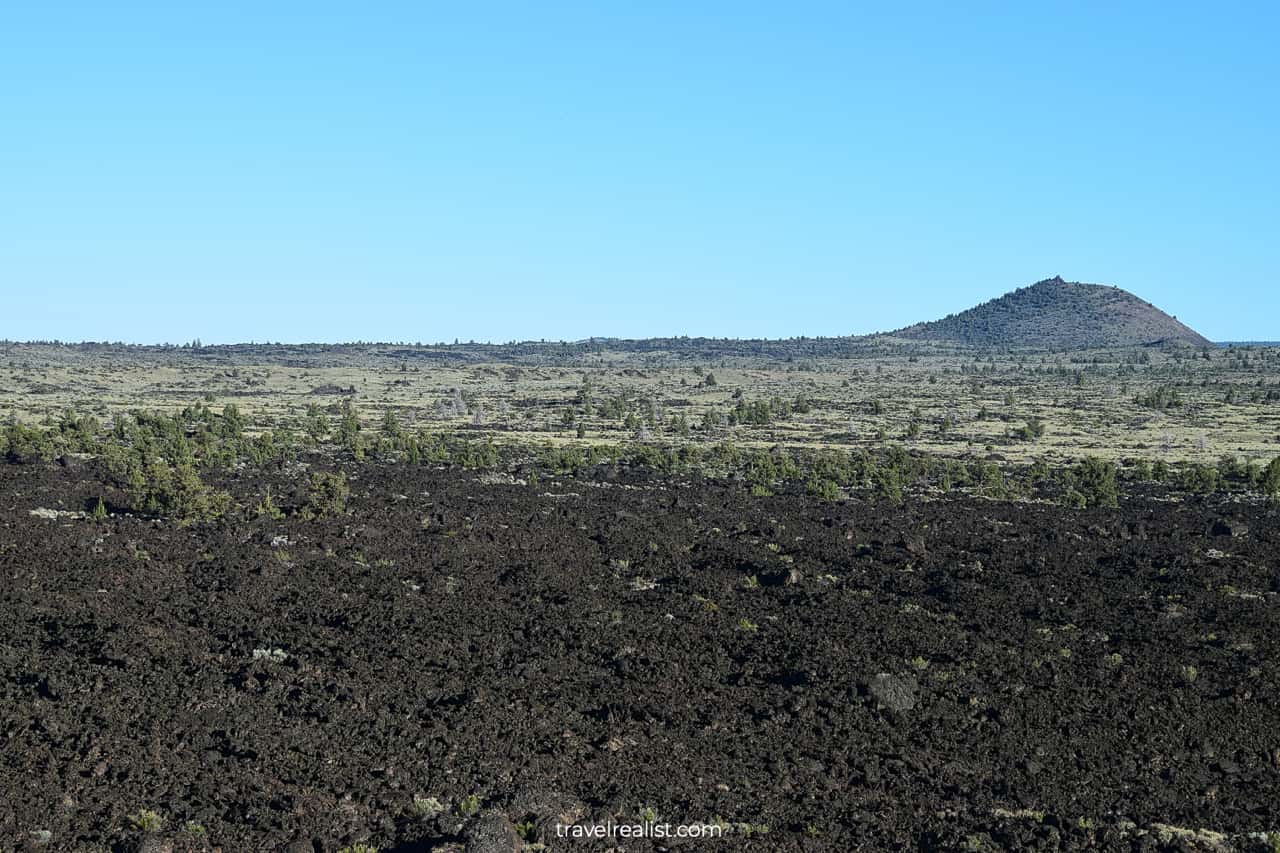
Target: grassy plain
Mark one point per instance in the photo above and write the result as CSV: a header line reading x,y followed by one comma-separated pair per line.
x,y
349,596
1178,405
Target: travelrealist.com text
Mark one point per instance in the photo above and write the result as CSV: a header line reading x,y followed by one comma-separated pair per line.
x,y
609,829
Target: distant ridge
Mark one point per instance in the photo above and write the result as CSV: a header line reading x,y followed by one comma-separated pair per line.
x,y
1057,314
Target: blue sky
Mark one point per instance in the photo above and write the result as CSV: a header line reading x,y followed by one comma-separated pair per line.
x,y
496,171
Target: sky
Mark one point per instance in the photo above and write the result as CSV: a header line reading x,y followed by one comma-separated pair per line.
x,y
499,171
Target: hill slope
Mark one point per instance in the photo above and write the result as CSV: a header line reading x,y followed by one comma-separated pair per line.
x,y
1057,314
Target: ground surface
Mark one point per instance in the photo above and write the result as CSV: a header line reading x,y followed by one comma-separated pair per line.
x,y
852,675
961,403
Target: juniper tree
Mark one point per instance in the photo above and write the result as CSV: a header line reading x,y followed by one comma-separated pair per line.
x,y
1271,478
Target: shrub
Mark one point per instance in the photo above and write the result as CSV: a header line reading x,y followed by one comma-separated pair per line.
x,y
78,432
1033,429
26,444
315,424
1231,467
1039,471
469,805
192,500
1160,399
426,807
1141,471
1200,478
889,484
267,508
756,413
390,424
823,488
1074,499
474,454
327,495
274,447
231,425
991,482
1270,484
349,430
1094,480
175,491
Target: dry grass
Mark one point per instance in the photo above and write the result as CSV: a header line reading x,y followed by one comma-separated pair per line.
x,y
1086,400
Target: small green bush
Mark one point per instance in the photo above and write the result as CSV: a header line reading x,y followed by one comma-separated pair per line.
x,y
1094,481
1140,471
1270,483
26,444
267,508
889,484
1033,429
328,494
1159,399
1202,479
175,491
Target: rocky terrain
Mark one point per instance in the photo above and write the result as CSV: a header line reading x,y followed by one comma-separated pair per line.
x,y
462,661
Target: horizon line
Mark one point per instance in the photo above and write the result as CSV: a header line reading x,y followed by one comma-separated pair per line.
x,y
196,344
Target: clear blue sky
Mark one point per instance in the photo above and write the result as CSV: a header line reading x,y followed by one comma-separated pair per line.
x,y
428,171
